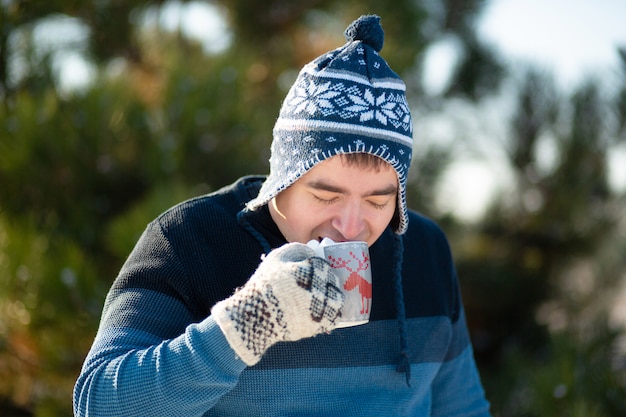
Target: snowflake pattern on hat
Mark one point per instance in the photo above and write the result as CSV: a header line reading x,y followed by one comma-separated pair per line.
x,y
349,102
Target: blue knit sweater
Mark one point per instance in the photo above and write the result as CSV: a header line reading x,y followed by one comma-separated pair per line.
x,y
158,351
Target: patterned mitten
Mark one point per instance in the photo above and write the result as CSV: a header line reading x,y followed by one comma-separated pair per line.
x,y
292,295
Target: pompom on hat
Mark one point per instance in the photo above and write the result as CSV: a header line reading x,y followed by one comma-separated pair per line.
x,y
345,101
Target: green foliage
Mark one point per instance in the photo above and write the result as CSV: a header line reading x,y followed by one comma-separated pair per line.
x,y
122,232
536,271
573,375
74,163
216,122
49,295
427,167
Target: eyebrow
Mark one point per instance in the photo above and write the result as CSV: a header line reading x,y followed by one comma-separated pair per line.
x,y
391,189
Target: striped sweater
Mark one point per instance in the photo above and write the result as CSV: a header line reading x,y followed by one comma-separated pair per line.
x,y
158,351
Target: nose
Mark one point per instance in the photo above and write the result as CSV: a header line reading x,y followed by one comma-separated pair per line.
x,y
349,222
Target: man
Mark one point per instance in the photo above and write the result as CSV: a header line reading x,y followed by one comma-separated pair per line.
x,y
222,310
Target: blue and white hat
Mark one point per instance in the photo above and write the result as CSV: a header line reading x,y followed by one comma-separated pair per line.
x,y
345,101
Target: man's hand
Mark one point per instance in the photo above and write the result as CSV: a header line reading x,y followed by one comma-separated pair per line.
x,y
292,295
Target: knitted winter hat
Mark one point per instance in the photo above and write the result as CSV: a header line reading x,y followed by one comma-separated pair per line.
x,y
345,101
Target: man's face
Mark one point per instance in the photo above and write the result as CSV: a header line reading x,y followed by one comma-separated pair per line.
x,y
336,200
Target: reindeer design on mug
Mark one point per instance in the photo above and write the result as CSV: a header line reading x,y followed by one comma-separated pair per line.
x,y
355,280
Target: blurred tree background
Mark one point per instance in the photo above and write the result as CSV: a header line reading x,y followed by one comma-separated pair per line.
x,y
164,117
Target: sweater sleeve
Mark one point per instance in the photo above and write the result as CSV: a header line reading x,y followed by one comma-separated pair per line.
x,y
149,357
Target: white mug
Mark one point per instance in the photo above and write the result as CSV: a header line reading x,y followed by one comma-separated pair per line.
x,y
351,263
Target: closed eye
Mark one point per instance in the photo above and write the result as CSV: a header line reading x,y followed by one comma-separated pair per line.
x,y
379,205
322,200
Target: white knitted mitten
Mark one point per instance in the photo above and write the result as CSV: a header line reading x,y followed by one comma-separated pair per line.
x,y
292,295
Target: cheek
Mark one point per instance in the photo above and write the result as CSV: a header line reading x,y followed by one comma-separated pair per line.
x,y
380,219
304,220
380,225
316,217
